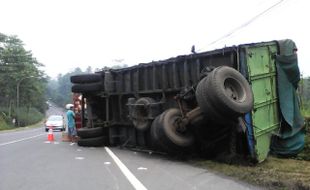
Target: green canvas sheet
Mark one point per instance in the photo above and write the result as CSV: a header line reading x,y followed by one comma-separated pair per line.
x,y
290,139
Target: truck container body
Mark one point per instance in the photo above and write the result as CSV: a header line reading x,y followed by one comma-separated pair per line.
x,y
212,103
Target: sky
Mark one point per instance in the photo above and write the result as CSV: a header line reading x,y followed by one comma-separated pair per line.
x,y
65,34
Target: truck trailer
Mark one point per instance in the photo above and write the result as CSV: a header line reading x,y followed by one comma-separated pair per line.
x,y
237,101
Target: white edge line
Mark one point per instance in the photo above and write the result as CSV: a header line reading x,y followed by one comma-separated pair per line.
x,y
23,139
132,179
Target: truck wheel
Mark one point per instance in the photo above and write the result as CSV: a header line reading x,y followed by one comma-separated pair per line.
x,y
227,91
90,132
86,78
154,132
230,91
203,99
91,87
159,141
93,142
169,133
141,113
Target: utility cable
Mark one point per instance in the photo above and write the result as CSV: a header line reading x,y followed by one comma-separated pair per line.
x,y
246,23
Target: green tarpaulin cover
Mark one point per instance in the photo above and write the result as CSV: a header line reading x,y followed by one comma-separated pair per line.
x,y
290,139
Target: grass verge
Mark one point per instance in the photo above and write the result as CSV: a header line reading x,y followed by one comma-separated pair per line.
x,y
273,173
10,128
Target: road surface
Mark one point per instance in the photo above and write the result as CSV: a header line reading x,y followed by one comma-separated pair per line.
x,y
28,161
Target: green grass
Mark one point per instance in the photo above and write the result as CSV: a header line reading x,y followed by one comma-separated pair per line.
x,y
273,173
3,124
27,117
306,113
6,127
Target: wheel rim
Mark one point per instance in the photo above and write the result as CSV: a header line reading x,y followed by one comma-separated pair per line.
x,y
234,90
182,138
141,114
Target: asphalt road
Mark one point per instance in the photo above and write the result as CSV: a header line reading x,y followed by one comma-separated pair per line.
x,y
28,161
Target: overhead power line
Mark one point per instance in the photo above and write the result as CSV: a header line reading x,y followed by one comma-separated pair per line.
x,y
246,23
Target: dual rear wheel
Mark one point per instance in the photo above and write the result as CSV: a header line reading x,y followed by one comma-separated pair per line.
x,y
223,95
167,133
85,83
92,137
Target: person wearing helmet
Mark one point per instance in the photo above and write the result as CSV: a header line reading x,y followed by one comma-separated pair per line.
x,y
71,124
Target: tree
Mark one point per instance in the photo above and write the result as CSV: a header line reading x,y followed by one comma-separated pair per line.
x,y
18,66
60,90
89,69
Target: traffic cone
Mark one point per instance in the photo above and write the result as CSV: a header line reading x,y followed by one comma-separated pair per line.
x,y
50,136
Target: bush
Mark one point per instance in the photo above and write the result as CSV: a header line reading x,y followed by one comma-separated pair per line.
x,y
5,120
3,123
29,116
305,154
26,116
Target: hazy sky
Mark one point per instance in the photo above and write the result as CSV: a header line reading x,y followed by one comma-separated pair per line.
x,y
65,34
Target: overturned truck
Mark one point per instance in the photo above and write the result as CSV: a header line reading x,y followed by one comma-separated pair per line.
x,y
231,101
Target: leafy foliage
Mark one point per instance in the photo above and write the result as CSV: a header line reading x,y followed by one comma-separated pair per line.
x,y
3,124
304,91
59,90
19,70
28,116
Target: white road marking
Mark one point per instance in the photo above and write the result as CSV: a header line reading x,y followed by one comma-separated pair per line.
x,y
142,168
79,150
47,142
56,142
107,163
79,158
20,140
132,179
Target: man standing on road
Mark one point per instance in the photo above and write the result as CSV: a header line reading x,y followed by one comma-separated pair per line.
x,y
71,124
